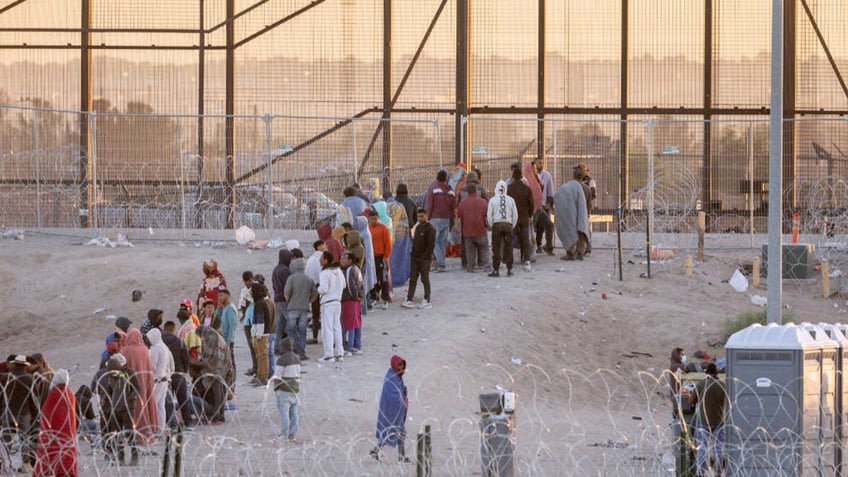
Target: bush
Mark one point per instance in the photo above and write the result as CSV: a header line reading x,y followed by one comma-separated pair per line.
x,y
746,319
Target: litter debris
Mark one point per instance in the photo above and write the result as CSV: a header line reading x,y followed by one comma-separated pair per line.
x,y
603,296
836,274
111,317
245,235
150,230
275,243
16,234
759,300
658,253
123,241
738,281
516,361
292,244
102,242
258,244
136,295
100,310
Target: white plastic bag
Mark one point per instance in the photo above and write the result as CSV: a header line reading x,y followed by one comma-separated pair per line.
x,y
739,282
244,235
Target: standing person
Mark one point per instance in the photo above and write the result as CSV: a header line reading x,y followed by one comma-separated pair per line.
x,y
369,269
145,417
246,300
439,204
118,389
187,333
313,271
472,214
423,244
710,396
154,320
299,293
502,216
188,305
278,279
523,197
118,335
325,234
352,296
402,196
394,404
57,442
209,317
263,327
571,219
22,405
542,218
227,313
287,379
213,280
162,362
472,179
591,191
179,383
331,282
381,241
214,369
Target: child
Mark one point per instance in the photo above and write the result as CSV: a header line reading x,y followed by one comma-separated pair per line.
x,y
287,386
391,419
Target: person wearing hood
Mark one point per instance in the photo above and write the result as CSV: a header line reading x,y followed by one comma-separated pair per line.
x,y
391,417
325,233
710,396
154,320
22,406
214,370
300,292
227,314
56,453
401,242
402,196
118,335
119,390
331,282
286,387
353,244
162,362
571,217
145,415
279,277
213,280
313,271
369,270
502,216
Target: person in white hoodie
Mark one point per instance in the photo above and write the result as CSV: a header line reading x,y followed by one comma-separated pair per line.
x,y
331,282
162,363
501,216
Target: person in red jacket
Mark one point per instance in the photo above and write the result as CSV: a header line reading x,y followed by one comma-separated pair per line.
x,y
439,205
213,280
381,242
472,214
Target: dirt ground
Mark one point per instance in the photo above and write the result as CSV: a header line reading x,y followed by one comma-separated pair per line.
x,y
583,351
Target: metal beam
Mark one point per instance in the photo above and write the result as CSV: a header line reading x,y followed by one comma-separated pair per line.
x,y
85,107
237,15
540,82
403,82
462,79
790,10
531,110
229,111
279,22
775,195
11,6
201,83
623,149
707,165
385,124
825,47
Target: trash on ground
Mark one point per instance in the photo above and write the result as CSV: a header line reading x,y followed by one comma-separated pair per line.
x,y
759,300
245,235
738,281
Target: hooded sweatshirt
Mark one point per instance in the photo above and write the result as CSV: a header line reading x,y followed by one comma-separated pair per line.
x,y
161,359
287,369
353,242
523,195
325,233
501,207
300,289
281,274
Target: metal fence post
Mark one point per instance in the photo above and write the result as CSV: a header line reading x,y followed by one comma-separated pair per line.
x,y
439,142
182,181
93,173
353,148
751,179
37,170
269,214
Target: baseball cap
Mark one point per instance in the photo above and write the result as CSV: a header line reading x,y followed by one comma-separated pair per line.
x,y
186,303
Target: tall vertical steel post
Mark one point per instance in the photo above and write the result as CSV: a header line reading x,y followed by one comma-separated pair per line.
x,y
540,83
775,228
707,166
624,85
463,8
85,107
229,111
385,182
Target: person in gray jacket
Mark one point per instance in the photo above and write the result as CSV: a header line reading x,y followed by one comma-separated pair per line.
x,y
300,291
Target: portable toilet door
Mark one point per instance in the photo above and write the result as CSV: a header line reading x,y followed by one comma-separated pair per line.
x,y
774,390
829,388
839,333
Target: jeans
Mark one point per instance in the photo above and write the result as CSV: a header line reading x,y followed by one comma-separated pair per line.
x,y
477,251
287,405
296,329
522,229
280,331
442,227
354,340
703,438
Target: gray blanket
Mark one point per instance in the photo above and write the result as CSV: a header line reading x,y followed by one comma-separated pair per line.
x,y
570,214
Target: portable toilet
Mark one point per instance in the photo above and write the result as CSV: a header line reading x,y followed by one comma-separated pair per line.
x,y
831,389
774,388
839,333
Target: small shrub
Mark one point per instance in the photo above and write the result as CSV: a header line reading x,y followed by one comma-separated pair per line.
x,y
746,319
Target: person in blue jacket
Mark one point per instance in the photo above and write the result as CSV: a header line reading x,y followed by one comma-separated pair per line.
x,y
391,419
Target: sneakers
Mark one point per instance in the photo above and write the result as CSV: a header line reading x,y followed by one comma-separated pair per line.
x,y
442,268
339,359
250,372
549,249
357,351
384,305
26,468
495,273
568,257
348,353
539,250
408,304
256,382
404,460
303,357
375,453
327,359
527,266
509,272
425,305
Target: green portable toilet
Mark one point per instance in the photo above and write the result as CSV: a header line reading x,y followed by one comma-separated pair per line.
x,y
777,419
